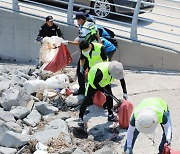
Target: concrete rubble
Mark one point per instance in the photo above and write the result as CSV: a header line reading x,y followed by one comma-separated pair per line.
x,y
48,115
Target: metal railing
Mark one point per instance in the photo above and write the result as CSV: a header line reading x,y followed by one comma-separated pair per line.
x,y
146,27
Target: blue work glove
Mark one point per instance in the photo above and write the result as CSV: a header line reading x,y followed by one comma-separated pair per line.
x,y
125,96
129,151
81,69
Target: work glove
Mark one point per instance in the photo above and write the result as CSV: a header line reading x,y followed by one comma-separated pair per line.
x,y
65,42
168,141
81,69
125,96
129,151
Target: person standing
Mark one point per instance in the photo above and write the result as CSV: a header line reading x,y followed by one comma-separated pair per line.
x,y
89,32
48,29
146,116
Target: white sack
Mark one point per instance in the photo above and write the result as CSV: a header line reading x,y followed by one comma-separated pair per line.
x,y
34,85
58,81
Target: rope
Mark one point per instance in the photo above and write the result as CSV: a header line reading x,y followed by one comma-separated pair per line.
x,y
152,139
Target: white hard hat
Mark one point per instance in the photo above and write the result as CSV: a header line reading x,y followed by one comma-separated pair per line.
x,y
146,121
116,70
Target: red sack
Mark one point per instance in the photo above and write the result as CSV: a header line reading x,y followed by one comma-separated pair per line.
x,y
60,60
99,99
124,113
168,150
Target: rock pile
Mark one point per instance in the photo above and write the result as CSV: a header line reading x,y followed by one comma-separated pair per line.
x,y
43,116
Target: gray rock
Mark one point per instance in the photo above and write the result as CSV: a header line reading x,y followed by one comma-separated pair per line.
x,y
6,116
20,112
56,128
3,128
44,108
14,127
104,150
14,97
73,101
5,84
33,118
4,150
14,140
78,151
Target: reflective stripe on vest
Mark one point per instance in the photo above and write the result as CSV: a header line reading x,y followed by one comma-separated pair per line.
x,y
106,79
96,55
158,105
91,27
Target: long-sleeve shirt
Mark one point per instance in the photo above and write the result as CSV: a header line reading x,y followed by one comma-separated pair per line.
x,y
166,124
98,78
49,31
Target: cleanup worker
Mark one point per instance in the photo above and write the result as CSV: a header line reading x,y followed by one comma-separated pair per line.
x,y
48,29
94,52
100,77
146,116
89,32
109,47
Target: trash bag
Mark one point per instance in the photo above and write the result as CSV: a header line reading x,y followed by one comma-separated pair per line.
x,y
58,81
34,85
61,59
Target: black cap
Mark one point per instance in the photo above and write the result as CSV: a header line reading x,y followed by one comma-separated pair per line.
x,y
80,15
49,18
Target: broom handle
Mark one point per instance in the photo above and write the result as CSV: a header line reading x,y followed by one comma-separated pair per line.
x,y
119,101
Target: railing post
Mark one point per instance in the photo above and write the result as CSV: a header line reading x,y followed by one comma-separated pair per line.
x,y
134,24
15,5
70,12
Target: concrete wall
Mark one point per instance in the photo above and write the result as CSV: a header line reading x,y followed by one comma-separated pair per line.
x,y
18,32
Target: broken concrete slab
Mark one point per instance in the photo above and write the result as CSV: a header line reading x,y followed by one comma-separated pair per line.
x,y
19,112
33,118
14,140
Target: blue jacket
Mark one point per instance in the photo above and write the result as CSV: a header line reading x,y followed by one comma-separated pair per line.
x,y
109,47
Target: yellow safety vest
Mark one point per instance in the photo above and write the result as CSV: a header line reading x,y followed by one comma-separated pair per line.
x,y
107,78
158,105
95,56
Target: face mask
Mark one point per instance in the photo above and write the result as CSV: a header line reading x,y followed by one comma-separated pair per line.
x,y
86,53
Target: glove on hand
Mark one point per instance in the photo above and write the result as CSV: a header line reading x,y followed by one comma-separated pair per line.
x,y
81,69
125,96
168,141
65,42
129,151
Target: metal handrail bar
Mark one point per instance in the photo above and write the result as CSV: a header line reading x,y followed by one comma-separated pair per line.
x,y
148,43
42,11
46,5
91,8
131,17
164,15
141,18
159,39
174,8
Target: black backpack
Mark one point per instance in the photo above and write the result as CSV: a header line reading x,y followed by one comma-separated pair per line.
x,y
113,41
111,33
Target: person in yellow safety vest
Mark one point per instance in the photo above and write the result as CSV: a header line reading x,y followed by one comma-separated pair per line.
x,y
146,116
100,77
94,52
87,31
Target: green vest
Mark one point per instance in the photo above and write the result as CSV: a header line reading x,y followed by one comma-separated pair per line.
x,y
91,27
158,105
95,56
107,78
